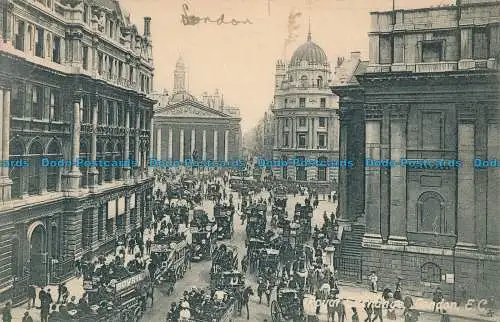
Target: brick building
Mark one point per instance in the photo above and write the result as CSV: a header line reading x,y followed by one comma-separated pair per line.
x,y
74,84
430,91
184,124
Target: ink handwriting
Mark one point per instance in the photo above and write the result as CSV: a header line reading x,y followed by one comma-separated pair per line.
x,y
192,20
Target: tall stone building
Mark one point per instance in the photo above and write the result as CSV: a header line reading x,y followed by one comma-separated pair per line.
x,y
306,122
185,125
74,79
430,93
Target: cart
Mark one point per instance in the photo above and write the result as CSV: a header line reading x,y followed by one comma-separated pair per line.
x,y
204,242
288,306
269,260
224,217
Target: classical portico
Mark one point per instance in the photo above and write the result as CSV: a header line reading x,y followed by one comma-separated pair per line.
x,y
189,127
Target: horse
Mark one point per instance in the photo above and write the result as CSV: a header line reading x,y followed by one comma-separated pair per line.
x,y
244,299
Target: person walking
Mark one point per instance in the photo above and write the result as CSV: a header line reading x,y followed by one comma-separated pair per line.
x,y
7,314
437,297
355,316
27,317
31,296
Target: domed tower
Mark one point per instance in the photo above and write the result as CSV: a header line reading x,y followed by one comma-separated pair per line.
x,y
180,92
307,126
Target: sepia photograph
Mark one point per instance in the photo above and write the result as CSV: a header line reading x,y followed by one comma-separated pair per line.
x,y
249,160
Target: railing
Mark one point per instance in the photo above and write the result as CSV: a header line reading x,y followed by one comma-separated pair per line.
x,y
64,270
436,67
349,268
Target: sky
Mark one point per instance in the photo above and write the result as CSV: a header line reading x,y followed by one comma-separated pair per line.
x,y
240,59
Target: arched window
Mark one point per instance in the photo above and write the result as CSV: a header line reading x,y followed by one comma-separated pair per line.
x,y
303,81
322,169
430,213
34,154
319,81
430,273
54,153
118,157
16,157
100,156
108,170
284,168
301,172
84,155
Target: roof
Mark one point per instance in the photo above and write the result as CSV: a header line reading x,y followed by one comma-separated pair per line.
x,y
309,52
189,109
360,70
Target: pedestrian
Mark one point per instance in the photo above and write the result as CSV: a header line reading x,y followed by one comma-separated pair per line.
x,y
7,314
445,317
27,317
397,292
268,291
149,242
31,296
62,293
373,282
369,311
377,311
355,316
437,297
260,290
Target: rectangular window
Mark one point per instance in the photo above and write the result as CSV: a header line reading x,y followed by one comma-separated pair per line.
x,y
322,122
322,102
302,102
19,37
120,70
111,29
100,63
39,42
286,102
85,57
17,97
322,140
480,44
54,106
131,75
432,51
302,140
285,140
302,121
286,122
37,103
86,13
110,67
56,50
385,49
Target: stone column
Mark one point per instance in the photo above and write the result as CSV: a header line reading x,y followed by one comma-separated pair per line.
x,y
5,182
398,209
158,143
310,121
137,152
278,140
372,183
385,176
170,143
290,134
315,134
216,144
226,145
276,132
493,238
181,146
294,132
75,174
204,144
465,181
93,173
126,169
193,141
481,176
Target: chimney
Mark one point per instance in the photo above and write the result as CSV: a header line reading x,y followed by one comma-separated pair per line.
x,y
147,26
355,55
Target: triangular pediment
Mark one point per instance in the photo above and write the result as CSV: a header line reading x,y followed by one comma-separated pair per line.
x,y
190,109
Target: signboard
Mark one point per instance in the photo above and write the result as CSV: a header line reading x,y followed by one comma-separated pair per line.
x,y
121,206
132,201
126,283
112,209
450,278
159,248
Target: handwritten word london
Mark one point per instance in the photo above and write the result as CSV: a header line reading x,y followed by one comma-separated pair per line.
x,y
191,20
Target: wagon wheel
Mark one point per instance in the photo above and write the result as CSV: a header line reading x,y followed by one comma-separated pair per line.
x,y
275,312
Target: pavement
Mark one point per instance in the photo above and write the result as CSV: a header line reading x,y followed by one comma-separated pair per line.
x,y
198,275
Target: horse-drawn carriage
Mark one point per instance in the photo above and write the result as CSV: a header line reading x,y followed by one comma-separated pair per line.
x,y
204,242
224,216
125,295
288,306
257,221
213,191
225,258
269,260
228,281
303,215
169,254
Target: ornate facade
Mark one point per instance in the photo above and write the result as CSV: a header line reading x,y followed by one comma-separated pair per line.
x,y
75,78
187,126
431,92
306,122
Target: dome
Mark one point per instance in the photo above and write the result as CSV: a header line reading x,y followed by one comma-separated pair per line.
x,y
309,52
